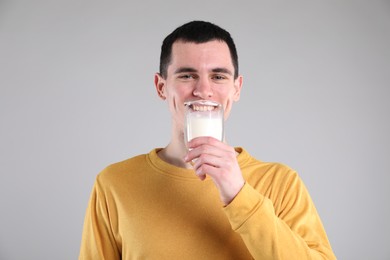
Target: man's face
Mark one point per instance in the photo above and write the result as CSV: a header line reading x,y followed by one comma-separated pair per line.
x,y
198,71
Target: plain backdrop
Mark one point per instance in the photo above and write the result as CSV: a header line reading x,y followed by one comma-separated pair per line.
x,y
77,94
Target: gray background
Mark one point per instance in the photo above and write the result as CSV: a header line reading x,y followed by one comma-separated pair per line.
x,y
77,94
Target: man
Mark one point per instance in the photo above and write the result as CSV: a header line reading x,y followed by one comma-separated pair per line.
x,y
228,205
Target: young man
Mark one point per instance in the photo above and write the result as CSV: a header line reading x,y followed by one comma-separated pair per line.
x,y
228,205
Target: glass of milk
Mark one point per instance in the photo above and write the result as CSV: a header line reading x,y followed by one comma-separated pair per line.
x,y
203,118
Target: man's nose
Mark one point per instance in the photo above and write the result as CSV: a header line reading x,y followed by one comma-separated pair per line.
x,y
203,89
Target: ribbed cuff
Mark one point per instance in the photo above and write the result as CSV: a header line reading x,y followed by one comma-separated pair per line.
x,y
243,206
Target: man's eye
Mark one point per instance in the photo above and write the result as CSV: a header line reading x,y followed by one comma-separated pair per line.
x,y
186,76
219,77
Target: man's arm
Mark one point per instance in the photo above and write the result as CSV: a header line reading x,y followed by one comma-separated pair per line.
x,y
294,232
98,241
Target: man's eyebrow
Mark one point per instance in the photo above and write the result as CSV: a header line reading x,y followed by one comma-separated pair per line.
x,y
192,70
185,69
222,70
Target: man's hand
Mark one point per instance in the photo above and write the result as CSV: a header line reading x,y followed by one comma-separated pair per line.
x,y
219,161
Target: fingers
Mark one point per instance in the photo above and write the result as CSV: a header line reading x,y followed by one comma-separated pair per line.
x,y
206,145
217,160
210,156
198,141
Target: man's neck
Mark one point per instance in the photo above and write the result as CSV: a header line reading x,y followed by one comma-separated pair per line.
x,y
174,154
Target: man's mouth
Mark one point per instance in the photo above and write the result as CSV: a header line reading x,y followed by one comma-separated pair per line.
x,y
202,105
197,107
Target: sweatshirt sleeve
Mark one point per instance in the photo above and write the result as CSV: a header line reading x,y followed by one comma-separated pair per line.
x,y
98,241
293,231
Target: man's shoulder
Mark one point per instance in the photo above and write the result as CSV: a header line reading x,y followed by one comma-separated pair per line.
x,y
265,169
250,161
130,162
270,168
125,167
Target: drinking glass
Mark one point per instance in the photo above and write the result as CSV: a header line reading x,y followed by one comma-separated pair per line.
x,y
203,118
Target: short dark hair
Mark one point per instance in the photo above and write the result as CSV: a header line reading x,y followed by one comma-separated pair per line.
x,y
197,32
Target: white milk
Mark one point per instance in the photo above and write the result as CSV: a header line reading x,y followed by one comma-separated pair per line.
x,y
204,126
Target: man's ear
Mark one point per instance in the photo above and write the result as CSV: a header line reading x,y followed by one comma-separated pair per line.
x,y
159,83
237,87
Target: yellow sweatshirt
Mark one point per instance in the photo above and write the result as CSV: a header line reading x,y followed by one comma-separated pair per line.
x,y
145,208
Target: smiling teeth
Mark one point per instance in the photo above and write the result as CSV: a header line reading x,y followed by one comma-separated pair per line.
x,y
202,108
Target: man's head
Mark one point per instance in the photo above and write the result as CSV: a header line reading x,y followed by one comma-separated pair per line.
x,y
196,32
197,63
